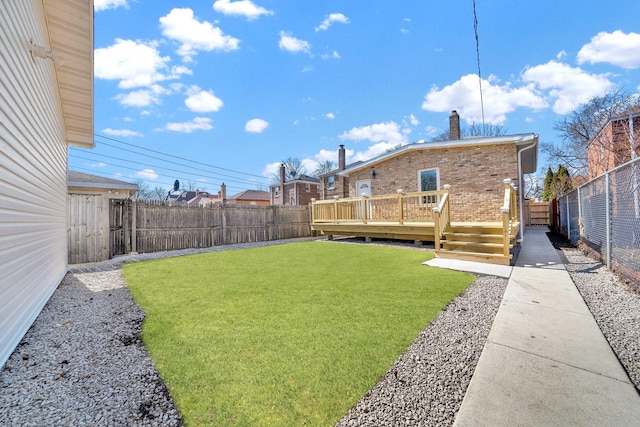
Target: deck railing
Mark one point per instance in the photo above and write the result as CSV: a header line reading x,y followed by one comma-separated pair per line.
x,y
442,217
391,208
509,211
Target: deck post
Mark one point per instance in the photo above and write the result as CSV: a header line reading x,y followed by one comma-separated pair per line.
x,y
506,216
400,210
436,228
364,209
335,209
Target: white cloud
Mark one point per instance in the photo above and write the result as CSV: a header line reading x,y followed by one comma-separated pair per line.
x,y
202,101
147,174
245,8
431,130
332,19
121,132
271,169
134,63
372,151
292,44
334,55
568,86
330,116
499,99
413,120
199,123
180,25
561,54
256,126
615,48
143,97
388,132
99,5
98,165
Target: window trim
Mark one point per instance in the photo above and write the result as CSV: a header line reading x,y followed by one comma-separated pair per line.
x,y
428,200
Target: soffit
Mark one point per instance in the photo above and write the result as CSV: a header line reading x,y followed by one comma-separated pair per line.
x,y
70,28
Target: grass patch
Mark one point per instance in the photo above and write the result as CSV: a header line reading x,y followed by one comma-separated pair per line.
x,y
292,334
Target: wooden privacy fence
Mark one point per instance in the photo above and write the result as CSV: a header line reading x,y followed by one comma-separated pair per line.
x,y
158,227
138,226
537,213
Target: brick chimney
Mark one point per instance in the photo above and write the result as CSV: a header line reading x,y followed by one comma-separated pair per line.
x,y
454,126
222,195
282,176
341,158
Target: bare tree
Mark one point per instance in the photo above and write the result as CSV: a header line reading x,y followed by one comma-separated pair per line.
x,y
578,128
159,193
324,167
189,186
293,166
533,186
475,129
144,191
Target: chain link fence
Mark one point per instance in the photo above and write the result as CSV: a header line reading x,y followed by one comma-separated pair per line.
x,y
603,217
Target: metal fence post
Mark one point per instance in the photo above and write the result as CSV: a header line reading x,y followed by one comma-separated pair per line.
x,y
608,217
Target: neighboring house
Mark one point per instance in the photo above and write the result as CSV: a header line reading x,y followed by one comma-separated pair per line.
x,y
475,168
89,214
617,143
251,197
296,191
333,183
200,198
44,108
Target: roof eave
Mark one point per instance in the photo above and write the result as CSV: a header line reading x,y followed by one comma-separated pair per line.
x,y
518,139
70,30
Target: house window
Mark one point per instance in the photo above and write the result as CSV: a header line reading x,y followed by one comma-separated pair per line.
x,y
307,187
428,180
331,182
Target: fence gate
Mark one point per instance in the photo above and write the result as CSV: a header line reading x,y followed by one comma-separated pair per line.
x,y
119,228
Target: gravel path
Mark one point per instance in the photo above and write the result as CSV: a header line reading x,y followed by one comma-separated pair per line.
x,y
82,362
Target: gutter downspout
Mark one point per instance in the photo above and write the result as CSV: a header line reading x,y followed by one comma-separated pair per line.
x,y
521,188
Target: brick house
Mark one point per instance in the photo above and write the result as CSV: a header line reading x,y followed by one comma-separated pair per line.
x,y
297,191
251,197
617,143
475,168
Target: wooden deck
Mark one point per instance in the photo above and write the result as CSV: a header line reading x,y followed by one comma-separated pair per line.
x,y
423,216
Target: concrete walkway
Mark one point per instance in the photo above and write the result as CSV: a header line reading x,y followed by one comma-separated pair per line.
x,y
545,362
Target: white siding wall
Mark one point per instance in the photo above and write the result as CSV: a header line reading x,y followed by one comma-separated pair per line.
x,y
33,162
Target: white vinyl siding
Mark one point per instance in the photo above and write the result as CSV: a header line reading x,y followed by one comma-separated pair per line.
x,y
33,163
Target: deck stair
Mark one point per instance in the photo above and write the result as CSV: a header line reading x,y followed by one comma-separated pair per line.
x,y
481,242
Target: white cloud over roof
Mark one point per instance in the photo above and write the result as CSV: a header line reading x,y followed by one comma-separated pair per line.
x,y
499,99
202,101
147,174
194,35
199,123
615,48
99,5
388,132
256,125
331,19
567,86
245,8
292,44
134,63
121,132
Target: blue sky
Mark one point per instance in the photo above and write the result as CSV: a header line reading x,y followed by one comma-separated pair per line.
x,y
213,91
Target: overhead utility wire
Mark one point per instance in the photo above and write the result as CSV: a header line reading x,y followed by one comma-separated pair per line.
x,y
174,156
168,169
148,181
475,29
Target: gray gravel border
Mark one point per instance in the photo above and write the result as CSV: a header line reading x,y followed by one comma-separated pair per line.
x,y
82,362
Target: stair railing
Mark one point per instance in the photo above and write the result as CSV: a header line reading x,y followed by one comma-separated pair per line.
x,y
509,212
441,217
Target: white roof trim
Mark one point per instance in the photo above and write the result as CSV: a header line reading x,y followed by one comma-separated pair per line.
x,y
70,28
521,140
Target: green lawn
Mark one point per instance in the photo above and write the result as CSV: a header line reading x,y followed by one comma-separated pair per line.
x,y
285,335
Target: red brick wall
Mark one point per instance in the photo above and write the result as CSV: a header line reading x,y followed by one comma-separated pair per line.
x,y
475,173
